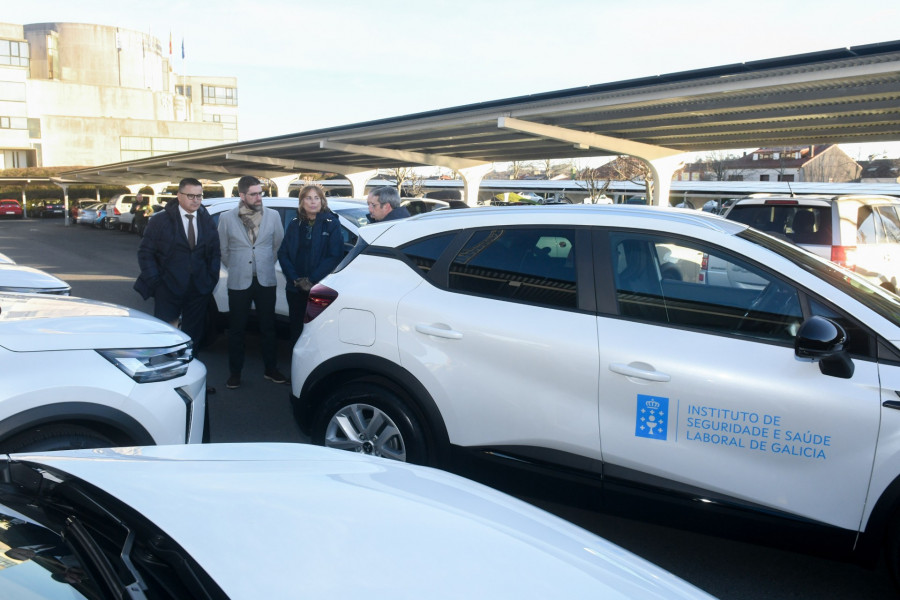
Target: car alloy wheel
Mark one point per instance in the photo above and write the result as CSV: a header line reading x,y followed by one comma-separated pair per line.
x,y
365,429
371,418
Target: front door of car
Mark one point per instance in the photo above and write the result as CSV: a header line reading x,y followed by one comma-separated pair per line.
x,y
700,389
500,343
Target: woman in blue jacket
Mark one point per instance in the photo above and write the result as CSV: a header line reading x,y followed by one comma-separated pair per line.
x,y
312,247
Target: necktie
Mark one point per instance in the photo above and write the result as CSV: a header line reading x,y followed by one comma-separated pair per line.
x,y
192,240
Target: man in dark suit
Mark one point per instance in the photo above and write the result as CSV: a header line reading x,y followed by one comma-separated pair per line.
x,y
179,258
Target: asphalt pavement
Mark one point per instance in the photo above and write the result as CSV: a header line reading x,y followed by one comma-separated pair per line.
x,y
102,265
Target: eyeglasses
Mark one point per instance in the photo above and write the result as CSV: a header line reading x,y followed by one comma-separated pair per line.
x,y
374,204
192,196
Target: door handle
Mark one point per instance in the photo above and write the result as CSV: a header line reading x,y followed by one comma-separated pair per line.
x,y
629,371
441,331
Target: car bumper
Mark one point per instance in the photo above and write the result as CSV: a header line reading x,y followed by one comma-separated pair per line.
x,y
173,411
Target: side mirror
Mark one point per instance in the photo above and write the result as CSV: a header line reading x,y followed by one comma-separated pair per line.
x,y
823,341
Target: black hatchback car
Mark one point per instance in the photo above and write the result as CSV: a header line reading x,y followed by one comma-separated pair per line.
x,y
50,207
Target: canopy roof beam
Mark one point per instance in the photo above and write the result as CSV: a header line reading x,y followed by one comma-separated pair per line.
x,y
405,156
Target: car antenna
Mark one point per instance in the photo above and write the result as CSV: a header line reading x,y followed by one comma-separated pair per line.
x,y
793,195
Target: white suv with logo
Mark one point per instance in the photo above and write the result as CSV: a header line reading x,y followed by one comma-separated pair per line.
x,y
584,344
84,374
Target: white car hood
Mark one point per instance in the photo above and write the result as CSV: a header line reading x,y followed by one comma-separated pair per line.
x,y
19,276
38,322
268,520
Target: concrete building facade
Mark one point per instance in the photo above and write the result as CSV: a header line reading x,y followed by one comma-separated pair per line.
x,y
74,94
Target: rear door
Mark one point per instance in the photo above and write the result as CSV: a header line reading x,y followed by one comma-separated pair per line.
x,y
700,389
502,341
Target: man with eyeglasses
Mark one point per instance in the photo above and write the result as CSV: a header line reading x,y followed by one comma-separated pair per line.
x,y
384,205
179,260
249,237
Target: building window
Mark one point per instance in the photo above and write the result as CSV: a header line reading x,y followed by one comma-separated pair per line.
x,y
785,178
14,53
219,95
13,123
735,178
184,90
53,56
13,159
763,177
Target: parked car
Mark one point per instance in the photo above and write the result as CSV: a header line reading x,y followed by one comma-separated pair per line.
x,y
279,522
124,208
352,213
417,206
49,207
858,232
552,344
88,214
76,206
102,220
84,374
11,209
22,279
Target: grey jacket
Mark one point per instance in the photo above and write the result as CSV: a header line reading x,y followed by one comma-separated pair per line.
x,y
240,257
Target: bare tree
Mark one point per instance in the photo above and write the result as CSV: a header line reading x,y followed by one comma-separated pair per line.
x,y
408,181
548,167
629,168
594,185
720,164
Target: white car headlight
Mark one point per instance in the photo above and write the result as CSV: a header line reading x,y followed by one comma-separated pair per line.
x,y
145,365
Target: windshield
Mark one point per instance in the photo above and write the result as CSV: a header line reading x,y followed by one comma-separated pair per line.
x,y
878,299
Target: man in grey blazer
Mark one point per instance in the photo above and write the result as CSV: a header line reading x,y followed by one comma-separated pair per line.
x,y
250,236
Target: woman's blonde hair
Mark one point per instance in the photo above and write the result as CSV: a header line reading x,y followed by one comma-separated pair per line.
x,y
305,190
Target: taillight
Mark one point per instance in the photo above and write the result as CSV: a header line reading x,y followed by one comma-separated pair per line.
x,y
320,298
116,211
844,256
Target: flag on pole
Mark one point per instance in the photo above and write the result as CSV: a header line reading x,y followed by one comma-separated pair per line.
x,y
170,43
182,48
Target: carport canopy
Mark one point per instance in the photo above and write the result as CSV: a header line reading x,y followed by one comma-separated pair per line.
x,y
846,95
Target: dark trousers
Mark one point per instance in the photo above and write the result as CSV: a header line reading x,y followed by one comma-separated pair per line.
x,y
297,311
191,307
239,302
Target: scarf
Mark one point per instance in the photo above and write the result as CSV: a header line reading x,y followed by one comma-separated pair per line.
x,y
251,219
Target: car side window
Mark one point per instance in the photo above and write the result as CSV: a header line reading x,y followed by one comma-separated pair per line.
x,y
891,223
867,226
424,253
533,264
682,284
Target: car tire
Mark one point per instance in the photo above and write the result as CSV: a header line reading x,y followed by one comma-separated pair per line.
x,y
48,438
369,418
892,548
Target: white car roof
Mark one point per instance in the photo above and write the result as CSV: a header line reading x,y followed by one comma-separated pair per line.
x,y
397,232
267,520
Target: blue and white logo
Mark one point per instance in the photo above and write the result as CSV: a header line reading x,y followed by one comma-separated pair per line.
x,y
652,417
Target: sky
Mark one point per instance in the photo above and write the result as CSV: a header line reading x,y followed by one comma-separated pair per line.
x,y
305,65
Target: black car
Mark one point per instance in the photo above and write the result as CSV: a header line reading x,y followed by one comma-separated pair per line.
x,y
49,207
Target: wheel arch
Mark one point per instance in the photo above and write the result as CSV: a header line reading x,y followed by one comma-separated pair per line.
x,y
885,512
114,424
340,370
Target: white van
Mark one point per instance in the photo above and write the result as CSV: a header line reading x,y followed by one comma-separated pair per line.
x,y
118,210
